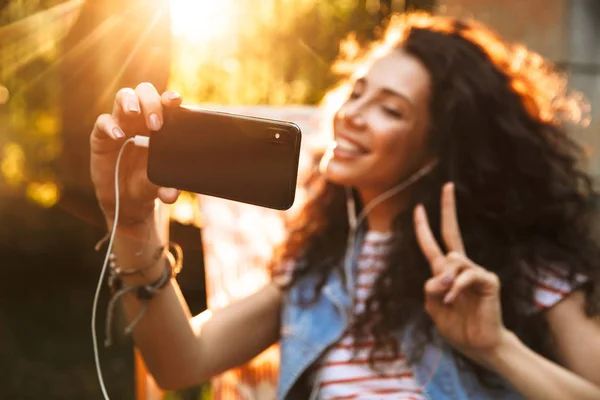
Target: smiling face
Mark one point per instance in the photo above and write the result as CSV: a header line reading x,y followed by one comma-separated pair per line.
x,y
381,131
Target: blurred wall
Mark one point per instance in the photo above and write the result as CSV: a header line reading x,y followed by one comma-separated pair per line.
x,y
583,64
565,31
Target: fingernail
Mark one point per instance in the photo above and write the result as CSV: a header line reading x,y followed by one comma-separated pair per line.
x,y
173,96
446,280
134,108
154,122
118,133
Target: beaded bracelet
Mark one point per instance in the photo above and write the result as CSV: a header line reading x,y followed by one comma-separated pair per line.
x,y
144,293
117,270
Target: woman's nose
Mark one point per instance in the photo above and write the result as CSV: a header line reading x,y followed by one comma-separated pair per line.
x,y
352,114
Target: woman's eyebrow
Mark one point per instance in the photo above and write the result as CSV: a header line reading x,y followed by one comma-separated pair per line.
x,y
386,90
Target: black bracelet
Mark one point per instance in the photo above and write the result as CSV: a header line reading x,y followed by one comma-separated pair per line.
x,y
148,290
144,293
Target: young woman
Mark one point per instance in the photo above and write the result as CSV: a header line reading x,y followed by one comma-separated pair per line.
x,y
445,250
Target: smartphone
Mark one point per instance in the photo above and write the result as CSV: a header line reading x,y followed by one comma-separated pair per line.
x,y
235,157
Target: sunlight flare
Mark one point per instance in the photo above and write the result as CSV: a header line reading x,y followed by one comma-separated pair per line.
x,y
200,20
36,35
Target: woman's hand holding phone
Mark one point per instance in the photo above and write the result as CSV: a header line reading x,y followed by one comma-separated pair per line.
x,y
135,112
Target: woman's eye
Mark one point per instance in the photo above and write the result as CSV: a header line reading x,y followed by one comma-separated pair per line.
x,y
393,112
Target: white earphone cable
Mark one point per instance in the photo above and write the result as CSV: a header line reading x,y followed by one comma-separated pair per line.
x,y
354,222
140,141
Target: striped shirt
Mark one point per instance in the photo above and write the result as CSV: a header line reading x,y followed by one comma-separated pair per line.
x,y
552,285
344,372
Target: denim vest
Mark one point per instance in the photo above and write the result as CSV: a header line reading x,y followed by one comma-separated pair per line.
x,y
307,331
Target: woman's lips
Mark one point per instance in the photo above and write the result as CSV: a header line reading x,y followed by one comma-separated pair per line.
x,y
345,147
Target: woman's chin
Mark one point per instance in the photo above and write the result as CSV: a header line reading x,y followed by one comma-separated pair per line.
x,y
340,172
337,175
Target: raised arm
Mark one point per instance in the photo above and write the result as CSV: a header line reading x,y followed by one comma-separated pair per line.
x,y
464,303
180,351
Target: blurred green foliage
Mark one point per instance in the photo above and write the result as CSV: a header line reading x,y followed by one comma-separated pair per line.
x,y
16,10
276,52
30,34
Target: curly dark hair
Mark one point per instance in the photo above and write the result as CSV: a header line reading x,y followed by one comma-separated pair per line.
x,y
499,116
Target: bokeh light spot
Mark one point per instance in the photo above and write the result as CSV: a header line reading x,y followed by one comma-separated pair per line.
x,y
13,163
4,94
45,194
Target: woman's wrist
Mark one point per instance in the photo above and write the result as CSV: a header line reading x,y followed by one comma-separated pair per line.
x,y
136,247
131,227
493,358
498,358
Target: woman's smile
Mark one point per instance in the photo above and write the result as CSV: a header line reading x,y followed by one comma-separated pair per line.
x,y
347,149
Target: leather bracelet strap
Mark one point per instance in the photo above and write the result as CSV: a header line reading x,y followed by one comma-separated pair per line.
x,y
144,293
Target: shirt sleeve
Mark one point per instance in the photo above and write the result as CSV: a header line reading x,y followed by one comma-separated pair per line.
x,y
551,285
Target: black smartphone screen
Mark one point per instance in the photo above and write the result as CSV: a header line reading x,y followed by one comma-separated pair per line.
x,y
241,158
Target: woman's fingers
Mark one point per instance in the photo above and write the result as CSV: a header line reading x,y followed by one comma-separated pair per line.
x,y
427,242
440,284
450,227
106,126
168,195
171,99
151,104
459,273
126,103
129,103
477,278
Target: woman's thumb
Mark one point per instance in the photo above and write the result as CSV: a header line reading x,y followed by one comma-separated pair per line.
x,y
168,195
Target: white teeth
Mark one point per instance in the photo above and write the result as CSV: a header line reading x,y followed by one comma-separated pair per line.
x,y
345,145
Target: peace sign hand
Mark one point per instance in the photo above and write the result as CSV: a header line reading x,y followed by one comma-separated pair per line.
x,y
462,297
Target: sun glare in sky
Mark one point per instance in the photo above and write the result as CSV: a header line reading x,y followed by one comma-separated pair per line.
x,y
199,20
